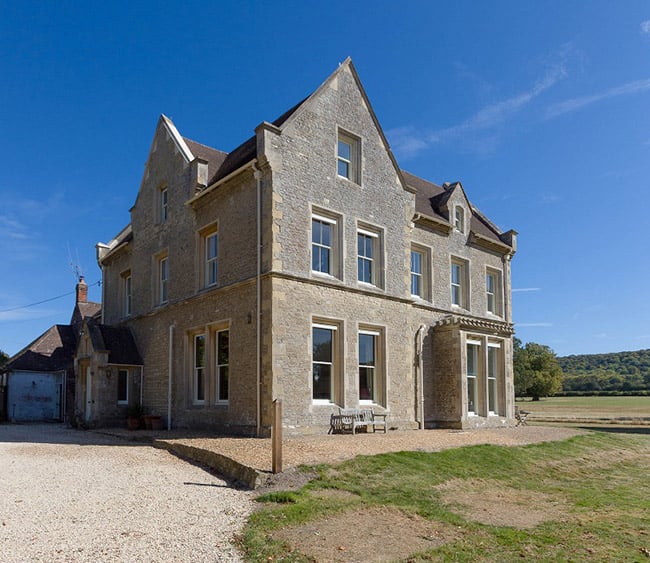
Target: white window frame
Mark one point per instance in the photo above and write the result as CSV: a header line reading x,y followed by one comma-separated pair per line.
x,y
378,380
351,162
124,401
459,218
417,274
333,363
211,263
199,366
459,285
493,296
473,377
493,371
375,261
425,275
220,366
332,249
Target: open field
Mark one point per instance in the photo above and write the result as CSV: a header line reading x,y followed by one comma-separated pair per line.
x,y
589,407
582,499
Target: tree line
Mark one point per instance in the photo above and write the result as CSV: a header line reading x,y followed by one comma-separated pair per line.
x,y
540,373
619,371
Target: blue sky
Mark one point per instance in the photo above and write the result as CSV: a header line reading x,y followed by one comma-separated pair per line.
x,y
540,109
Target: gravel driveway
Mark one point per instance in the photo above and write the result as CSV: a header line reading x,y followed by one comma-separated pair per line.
x,y
67,495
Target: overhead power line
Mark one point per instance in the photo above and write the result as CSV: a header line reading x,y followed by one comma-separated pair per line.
x,y
98,282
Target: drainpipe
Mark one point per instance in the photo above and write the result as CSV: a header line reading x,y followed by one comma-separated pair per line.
x,y
257,174
169,380
141,385
507,295
419,339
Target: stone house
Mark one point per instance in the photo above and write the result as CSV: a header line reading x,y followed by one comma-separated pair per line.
x,y
306,265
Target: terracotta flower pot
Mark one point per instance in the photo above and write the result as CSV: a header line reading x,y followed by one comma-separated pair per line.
x,y
156,423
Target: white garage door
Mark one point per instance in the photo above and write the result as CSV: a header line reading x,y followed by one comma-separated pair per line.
x,y
35,396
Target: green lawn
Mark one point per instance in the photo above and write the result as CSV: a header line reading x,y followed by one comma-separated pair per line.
x,y
583,499
611,407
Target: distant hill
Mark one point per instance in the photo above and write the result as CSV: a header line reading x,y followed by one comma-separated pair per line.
x,y
619,371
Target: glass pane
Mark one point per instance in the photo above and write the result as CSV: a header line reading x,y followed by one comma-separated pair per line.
x,y
472,357
199,351
211,246
212,272
365,270
471,394
492,395
368,242
366,383
322,343
200,385
315,258
326,234
361,247
345,150
324,260
366,350
455,273
223,383
322,376
455,295
343,169
416,262
415,284
223,347
492,361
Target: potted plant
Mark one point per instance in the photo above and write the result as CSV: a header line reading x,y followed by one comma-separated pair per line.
x,y
133,415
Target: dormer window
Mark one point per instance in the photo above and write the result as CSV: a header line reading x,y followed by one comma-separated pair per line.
x,y
459,219
348,157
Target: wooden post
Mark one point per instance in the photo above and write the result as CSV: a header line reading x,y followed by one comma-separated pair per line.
x,y
276,436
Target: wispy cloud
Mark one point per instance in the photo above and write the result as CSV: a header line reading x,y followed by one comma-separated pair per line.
x,y
525,289
577,103
408,141
550,198
645,27
24,314
533,324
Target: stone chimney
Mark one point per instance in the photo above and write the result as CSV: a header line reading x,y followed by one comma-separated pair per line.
x,y
82,291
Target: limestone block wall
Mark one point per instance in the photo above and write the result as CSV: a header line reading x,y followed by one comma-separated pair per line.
x,y
296,305
231,309
304,164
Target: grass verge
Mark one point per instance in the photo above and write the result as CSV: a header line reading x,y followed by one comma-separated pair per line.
x,y
610,407
583,499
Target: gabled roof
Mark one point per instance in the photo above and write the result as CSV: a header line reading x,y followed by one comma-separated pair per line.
x,y
213,157
220,163
247,151
430,198
85,310
52,351
425,194
118,341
